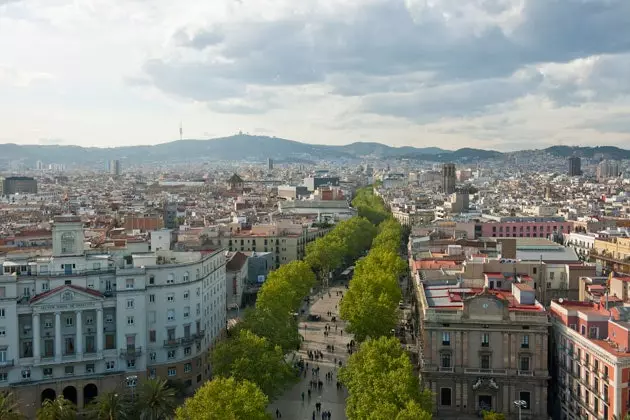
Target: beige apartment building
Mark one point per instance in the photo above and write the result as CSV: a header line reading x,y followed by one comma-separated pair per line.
x,y
612,254
483,348
286,239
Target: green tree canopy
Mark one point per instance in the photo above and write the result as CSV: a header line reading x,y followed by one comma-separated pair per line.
x,y
10,407
111,405
370,206
286,287
225,399
249,357
380,378
57,409
493,415
325,255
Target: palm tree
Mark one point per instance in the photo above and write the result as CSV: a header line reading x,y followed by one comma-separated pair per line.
x,y
9,407
110,406
156,401
57,409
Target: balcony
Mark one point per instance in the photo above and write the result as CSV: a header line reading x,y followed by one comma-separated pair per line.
x,y
173,342
7,363
446,369
130,352
492,372
188,340
525,373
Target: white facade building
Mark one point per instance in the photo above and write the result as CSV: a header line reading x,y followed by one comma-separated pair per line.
x,y
77,324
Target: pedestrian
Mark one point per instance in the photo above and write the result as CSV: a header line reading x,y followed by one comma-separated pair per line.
x,y
313,415
277,413
302,396
309,393
341,332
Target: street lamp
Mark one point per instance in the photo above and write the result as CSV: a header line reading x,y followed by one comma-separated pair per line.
x,y
520,404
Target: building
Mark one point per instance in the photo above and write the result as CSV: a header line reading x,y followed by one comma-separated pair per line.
x,y
590,359
575,166
82,322
19,185
236,279
523,226
270,164
324,210
483,347
607,169
114,167
314,182
291,192
448,178
169,216
236,183
611,254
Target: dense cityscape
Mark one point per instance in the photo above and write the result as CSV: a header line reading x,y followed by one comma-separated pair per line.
x,y
420,289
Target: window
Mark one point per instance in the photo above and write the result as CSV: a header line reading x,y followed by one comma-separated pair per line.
x,y
446,338
152,336
152,373
109,319
69,370
552,275
110,365
187,368
170,297
445,396
186,276
534,270
129,284
131,363
152,298
2,313
605,371
186,294
89,368
3,332
130,320
48,372
170,279
198,309
152,356
170,354
151,279
524,363
187,351
525,396
170,315
172,371
69,321
89,320
186,311
485,361
485,340
45,286
26,373
3,356
445,360
525,341
129,303
198,291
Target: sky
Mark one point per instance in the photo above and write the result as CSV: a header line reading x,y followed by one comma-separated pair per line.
x,y
498,74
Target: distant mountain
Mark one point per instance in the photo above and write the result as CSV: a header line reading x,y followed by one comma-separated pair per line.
x,y
238,147
606,152
259,148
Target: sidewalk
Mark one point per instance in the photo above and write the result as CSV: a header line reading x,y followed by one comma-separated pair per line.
x,y
333,400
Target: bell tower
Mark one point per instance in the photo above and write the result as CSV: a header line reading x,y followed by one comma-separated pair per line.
x,y
68,239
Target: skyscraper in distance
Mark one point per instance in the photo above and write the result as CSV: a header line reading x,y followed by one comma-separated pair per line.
x,y
448,178
575,166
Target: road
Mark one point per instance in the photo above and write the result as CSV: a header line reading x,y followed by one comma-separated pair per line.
x,y
290,403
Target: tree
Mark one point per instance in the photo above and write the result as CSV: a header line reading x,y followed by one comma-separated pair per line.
x,y
380,377
252,358
325,255
10,407
225,399
156,401
413,411
278,326
57,409
492,415
110,406
368,314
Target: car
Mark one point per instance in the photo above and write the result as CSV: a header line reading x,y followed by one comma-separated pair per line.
x,y
314,317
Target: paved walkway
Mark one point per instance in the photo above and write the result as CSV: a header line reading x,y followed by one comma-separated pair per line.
x,y
290,403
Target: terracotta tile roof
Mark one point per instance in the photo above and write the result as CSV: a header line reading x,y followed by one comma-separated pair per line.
x,y
68,286
236,262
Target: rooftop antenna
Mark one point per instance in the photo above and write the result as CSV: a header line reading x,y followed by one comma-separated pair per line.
x,y
181,131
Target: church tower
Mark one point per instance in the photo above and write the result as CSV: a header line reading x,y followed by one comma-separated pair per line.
x,y
68,239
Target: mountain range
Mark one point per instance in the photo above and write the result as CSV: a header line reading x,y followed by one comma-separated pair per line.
x,y
259,148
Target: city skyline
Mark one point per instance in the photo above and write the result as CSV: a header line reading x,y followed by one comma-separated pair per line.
x,y
493,75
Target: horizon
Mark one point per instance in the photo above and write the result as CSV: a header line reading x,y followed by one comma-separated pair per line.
x,y
489,75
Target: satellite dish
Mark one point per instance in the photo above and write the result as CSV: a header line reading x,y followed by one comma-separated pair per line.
x,y
560,300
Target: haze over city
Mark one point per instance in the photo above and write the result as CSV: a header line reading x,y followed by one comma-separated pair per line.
x,y
489,74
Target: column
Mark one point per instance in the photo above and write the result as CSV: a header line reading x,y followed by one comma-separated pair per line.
x,y
99,330
37,339
78,345
58,336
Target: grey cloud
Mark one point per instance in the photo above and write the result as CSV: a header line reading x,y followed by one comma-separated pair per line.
x,y
382,48
616,123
